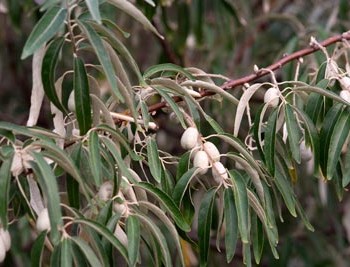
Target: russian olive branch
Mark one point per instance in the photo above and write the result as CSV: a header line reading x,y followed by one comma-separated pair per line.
x,y
263,72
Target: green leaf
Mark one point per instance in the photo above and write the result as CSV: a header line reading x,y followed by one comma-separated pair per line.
x,y
258,238
287,192
120,48
346,169
146,222
205,217
154,163
328,127
87,251
95,157
337,140
231,222
168,204
314,139
269,146
82,96
103,56
134,237
131,10
55,259
93,6
66,253
48,184
37,249
48,72
182,184
5,181
293,132
173,105
103,231
44,30
241,201
167,67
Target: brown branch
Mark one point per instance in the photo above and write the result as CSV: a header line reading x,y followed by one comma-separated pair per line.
x,y
277,65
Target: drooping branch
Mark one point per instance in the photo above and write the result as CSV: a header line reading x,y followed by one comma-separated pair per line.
x,y
277,65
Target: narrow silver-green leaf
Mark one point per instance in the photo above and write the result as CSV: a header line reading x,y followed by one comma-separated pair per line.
x,y
241,201
44,30
342,128
182,184
82,96
37,249
205,217
231,222
103,57
48,72
95,157
167,67
168,203
134,12
93,6
294,134
48,184
269,146
134,237
102,230
5,180
66,253
154,163
286,191
87,251
146,222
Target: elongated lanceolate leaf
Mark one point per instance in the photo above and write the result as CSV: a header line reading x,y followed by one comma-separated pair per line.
x,y
130,9
48,184
89,254
231,222
182,184
103,56
66,253
167,67
341,132
93,6
134,237
241,201
82,96
269,144
37,249
293,132
168,203
95,157
48,72
44,30
205,217
103,231
154,163
5,180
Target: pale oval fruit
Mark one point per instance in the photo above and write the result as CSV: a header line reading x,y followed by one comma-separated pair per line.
x,y
212,151
345,83
106,191
6,238
305,152
271,97
201,161
219,172
43,221
189,138
344,94
2,251
71,102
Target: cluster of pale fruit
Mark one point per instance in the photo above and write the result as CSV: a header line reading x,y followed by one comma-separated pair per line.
x,y
205,154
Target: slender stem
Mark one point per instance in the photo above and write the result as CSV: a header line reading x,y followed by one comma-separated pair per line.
x,y
277,65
